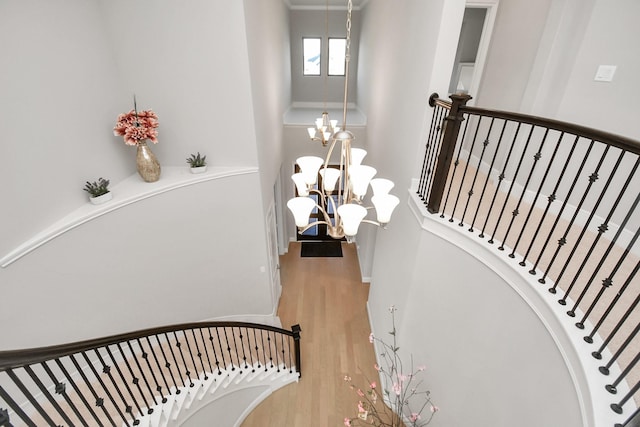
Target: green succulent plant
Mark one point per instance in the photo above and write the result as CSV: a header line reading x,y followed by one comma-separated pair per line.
x,y
97,188
196,160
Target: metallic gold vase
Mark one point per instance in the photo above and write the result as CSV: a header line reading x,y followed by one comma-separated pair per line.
x,y
147,163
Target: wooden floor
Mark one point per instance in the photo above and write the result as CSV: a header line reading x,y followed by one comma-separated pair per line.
x,y
327,298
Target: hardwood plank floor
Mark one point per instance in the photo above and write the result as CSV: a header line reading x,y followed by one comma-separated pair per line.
x,y
327,298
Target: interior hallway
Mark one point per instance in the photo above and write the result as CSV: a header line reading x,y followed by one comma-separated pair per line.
x,y
327,298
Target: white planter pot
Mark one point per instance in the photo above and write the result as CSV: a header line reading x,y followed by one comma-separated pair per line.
x,y
101,199
200,169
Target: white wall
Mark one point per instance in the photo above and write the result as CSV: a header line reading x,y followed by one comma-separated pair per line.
x,y
267,29
394,87
311,23
490,359
610,39
167,259
69,68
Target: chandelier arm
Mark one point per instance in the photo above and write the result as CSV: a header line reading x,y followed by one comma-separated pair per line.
x,y
313,224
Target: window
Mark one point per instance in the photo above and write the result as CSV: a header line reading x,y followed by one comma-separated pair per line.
x,y
337,52
311,56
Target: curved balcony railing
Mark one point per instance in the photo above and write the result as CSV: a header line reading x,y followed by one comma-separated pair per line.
x,y
115,381
562,201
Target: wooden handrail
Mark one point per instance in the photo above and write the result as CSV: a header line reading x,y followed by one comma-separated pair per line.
x,y
15,358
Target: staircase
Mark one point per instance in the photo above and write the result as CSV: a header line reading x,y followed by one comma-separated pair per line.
x,y
157,377
185,401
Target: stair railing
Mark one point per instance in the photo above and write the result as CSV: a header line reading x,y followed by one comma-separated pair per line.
x,y
561,200
117,380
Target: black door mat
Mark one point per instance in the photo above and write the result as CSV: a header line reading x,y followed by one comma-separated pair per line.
x,y
321,249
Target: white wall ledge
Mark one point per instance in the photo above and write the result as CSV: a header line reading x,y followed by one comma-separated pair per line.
x,y
131,190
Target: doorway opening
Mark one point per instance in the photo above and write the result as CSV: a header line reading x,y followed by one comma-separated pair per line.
x,y
473,44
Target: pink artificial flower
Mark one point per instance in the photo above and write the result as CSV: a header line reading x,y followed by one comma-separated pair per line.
x,y
137,126
434,408
421,368
360,407
371,337
347,422
347,378
377,367
360,393
397,388
414,417
372,385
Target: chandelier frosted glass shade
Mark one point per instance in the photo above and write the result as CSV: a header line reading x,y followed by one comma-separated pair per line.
x,y
323,130
344,186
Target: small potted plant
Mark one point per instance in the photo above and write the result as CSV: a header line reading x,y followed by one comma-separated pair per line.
x,y
197,163
98,191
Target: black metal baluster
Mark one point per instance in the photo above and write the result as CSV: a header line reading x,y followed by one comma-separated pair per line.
x,y
167,363
617,407
608,281
47,395
206,352
129,409
160,370
500,179
142,373
100,400
628,421
613,387
486,180
198,353
264,353
226,338
250,350
257,348
215,353
244,355
563,301
538,192
601,229
466,168
559,214
284,360
456,163
224,362
291,362
134,378
433,157
605,369
158,387
613,303
513,183
485,144
516,211
16,408
186,367
60,388
550,200
25,391
431,148
270,352
106,369
88,406
176,364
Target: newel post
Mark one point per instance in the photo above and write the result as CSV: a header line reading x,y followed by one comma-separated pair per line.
x,y
296,341
449,138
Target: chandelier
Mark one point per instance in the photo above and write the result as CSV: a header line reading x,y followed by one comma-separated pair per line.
x,y
324,127
339,194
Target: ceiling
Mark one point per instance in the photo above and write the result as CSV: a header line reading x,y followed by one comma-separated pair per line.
x,y
321,4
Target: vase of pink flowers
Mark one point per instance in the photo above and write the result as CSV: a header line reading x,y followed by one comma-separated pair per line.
x,y
137,127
